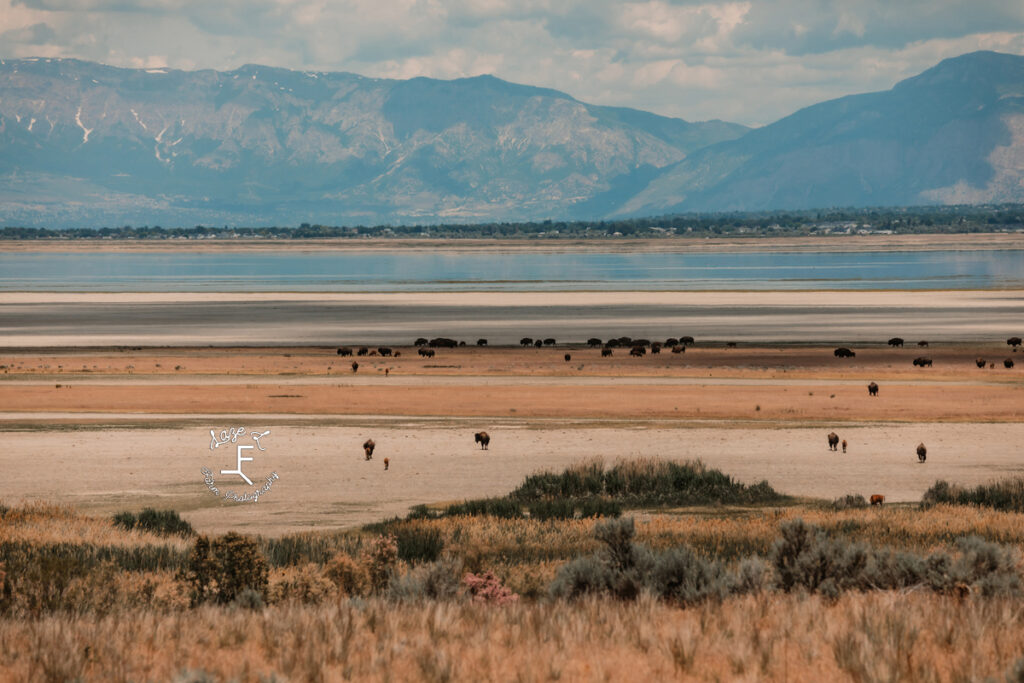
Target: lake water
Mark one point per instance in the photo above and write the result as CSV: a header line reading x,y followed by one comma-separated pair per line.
x,y
460,271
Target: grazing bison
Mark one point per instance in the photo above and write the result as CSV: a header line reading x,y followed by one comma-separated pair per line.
x,y
641,342
1008,363
550,341
877,499
671,341
730,345
483,439
355,366
922,452
384,351
896,341
980,362
624,341
843,352
481,342
638,351
368,447
655,347
344,351
1013,341
612,344
872,389
593,341
387,463
426,353
421,341
923,362
362,351
539,343
922,344
526,341
442,343
844,445
833,441
678,348
686,341
568,358
605,352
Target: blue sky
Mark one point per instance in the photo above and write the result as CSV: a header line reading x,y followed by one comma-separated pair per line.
x,y
750,62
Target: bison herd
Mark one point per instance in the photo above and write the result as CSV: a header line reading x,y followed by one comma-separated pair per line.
x,y
369,445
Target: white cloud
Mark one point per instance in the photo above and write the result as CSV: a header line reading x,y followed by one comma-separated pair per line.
x,y
744,61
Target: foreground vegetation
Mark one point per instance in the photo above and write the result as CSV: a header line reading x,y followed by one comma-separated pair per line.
x,y
730,589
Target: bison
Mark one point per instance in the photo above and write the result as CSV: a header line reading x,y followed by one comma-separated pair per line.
x,y
605,352
872,389
362,351
421,341
355,366
483,439
539,343
671,341
923,362
922,452
877,499
368,447
384,351
387,463
344,351
923,344
655,347
526,341
481,342
678,348
843,352
730,345
426,353
686,341
896,341
612,344
844,445
980,362
568,357
1008,363
637,351
442,343
1013,341
593,341
550,341
833,441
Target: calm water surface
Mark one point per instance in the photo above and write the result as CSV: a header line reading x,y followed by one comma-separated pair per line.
x,y
449,271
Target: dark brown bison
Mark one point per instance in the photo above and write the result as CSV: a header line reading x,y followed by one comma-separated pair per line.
x,y
421,341
384,351
605,352
980,362
344,351
593,341
442,343
1013,341
922,452
568,357
686,341
678,348
730,345
550,341
362,351
526,341
833,441
483,439
843,352
612,344
638,351
481,342
844,445
923,362
355,366
877,499
426,353
368,447
922,344
655,347
1008,363
896,341
671,341
387,463
539,343
872,389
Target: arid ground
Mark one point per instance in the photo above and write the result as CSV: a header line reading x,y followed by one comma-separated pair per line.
x,y
113,429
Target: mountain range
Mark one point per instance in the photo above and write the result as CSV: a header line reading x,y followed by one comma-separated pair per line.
x,y
84,144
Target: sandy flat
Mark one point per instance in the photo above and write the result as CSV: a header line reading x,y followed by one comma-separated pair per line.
x,y
324,482
164,319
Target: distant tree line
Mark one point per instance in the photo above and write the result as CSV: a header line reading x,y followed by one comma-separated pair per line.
x,y
909,220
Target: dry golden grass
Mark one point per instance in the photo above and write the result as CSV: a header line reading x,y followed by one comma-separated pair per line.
x,y
44,523
864,637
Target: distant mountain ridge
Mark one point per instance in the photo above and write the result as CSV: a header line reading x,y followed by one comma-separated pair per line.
x,y
83,143
952,135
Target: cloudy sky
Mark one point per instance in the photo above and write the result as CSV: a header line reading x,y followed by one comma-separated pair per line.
x,y
750,62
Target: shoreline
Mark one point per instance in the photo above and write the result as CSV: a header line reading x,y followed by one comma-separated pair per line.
x,y
823,243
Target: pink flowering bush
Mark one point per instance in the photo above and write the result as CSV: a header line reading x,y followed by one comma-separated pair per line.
x,y
486,587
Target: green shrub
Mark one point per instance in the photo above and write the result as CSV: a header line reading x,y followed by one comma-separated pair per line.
x,y
679,575
1004,494
850,502
220,571
493,507
543,510
419,544
163,522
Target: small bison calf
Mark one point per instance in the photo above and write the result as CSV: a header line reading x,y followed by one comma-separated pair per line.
x,y
877,499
